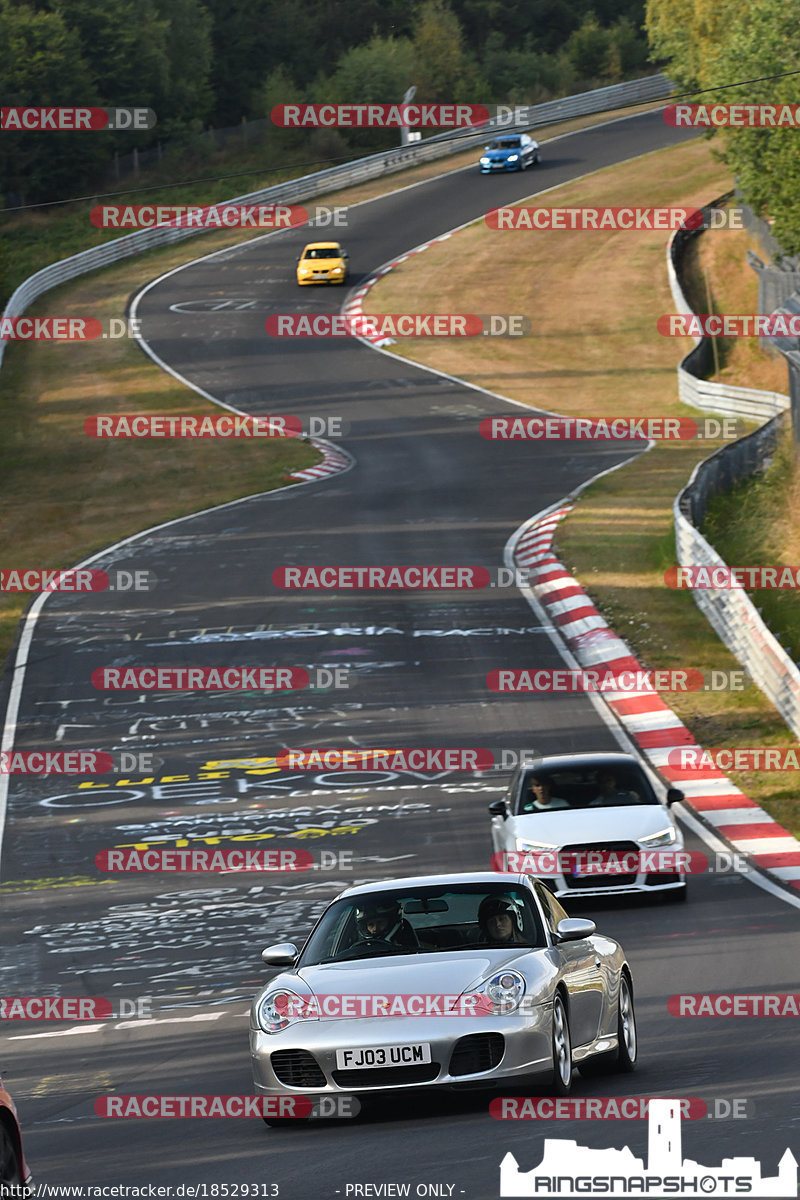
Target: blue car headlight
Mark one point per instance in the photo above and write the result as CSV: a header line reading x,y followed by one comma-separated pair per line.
x,y
512,158
484,161
281,1008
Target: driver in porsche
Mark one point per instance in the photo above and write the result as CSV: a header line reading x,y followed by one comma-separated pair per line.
x,y
383,921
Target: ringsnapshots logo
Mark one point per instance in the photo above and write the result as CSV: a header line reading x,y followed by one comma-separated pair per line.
x,y
397,325
47,119
609,429
571,1170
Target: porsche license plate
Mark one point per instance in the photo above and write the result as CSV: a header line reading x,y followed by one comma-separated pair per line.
x,y
383,1056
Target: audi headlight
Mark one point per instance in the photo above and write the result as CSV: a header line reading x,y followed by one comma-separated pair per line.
x,y
505,990
524,844
282,1008
664,837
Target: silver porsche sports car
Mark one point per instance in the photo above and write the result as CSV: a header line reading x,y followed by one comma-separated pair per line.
x,y
444,980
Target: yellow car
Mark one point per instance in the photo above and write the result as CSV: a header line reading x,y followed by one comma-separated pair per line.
x,y
322,262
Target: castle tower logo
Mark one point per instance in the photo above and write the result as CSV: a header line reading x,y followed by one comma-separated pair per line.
x,y
568,1169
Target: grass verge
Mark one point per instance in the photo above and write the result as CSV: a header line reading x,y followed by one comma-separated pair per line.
x,y
594,299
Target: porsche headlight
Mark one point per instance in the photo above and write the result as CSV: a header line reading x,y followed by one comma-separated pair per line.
x,y
664,837
524,844
505,990
282,1008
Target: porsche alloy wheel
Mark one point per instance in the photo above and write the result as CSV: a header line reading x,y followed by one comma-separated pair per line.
x,y
562,1049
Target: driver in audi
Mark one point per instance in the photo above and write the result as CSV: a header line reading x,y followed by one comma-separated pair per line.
x,y
382,920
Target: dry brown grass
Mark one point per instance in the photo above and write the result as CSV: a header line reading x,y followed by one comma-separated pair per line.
x,y
594,299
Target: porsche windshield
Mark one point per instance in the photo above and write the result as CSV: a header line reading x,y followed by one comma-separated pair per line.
x,y
613,786
421,920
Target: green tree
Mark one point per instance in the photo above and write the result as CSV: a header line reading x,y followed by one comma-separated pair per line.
x,y
763,40
380,71
443,69
588,49
686,34
41,64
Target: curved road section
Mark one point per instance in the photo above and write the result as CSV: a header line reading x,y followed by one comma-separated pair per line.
x,y
425,489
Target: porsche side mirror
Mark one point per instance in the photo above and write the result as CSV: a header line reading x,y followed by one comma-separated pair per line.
x,y
498,809
282,955
574,929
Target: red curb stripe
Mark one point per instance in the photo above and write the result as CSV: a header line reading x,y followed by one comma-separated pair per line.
x,y
789,858
717,803
632,706
674,735
743,833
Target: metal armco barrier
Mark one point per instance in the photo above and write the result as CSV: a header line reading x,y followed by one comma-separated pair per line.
x,y
652,87
730,611
693,389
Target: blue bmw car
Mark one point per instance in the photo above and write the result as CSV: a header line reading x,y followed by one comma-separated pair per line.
x,y
514,152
